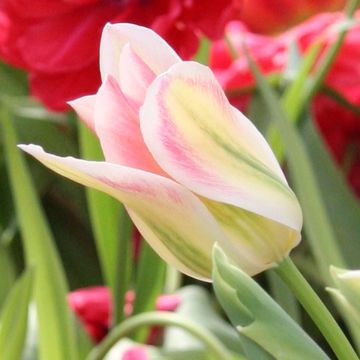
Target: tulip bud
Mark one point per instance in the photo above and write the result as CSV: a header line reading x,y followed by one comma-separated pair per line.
x,y
191,169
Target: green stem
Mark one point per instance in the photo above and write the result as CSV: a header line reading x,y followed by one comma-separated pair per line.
x,y
214,346
316,309
173,280
123,267
149,285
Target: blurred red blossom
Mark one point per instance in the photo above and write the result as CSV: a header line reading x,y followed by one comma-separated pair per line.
x,y
339,125
93,306
57,41
264,16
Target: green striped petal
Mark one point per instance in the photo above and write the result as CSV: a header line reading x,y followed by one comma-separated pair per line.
x,y
173,220
253,242
211,148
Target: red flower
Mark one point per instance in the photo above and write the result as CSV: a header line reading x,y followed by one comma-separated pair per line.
x,y
57,41
93,307
339,126
264,16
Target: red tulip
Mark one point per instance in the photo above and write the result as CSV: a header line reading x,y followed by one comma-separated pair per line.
x,y
57,41
339,126
93,306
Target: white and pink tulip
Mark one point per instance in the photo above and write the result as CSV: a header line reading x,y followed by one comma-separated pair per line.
x,y
191,169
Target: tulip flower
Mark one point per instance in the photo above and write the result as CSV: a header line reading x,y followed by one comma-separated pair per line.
x,y
347,292
93,306
191,169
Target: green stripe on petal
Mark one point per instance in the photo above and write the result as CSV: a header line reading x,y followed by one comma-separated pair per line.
x,y
173,220
256,243
207,145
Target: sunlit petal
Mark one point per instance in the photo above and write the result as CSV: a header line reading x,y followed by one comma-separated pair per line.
x,y
117,126
85,107
149,46
158,207
134,75
211,148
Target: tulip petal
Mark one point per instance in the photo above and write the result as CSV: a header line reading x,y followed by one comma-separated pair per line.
x,y
117,126
256,243
149,46
85,107
204,143
134,75
173,220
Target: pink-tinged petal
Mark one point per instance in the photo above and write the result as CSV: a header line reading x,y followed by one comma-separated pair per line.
x,y
149,46
85,108
134,75
211,148
172,219
136,353
117,126
168,302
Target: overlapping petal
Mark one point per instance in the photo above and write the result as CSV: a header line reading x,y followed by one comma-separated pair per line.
x,y
134,75
211,148
157,205
253,242
149,46
117,126
85,108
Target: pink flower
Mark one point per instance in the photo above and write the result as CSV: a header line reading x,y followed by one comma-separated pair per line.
x,y
136,353
93,306
57,41
339,126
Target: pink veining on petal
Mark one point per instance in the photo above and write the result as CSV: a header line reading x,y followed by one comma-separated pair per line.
x,y
117,126
181,153
134,75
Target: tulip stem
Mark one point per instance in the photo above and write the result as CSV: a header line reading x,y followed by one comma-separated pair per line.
x,y
321,316
215,347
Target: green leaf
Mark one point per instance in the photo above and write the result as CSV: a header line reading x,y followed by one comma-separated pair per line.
x,y
343,209
266,331
14,318
283,296
57,334
202,55
7,271
316,222
112,237
293,97
149,283
12,81
197,305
